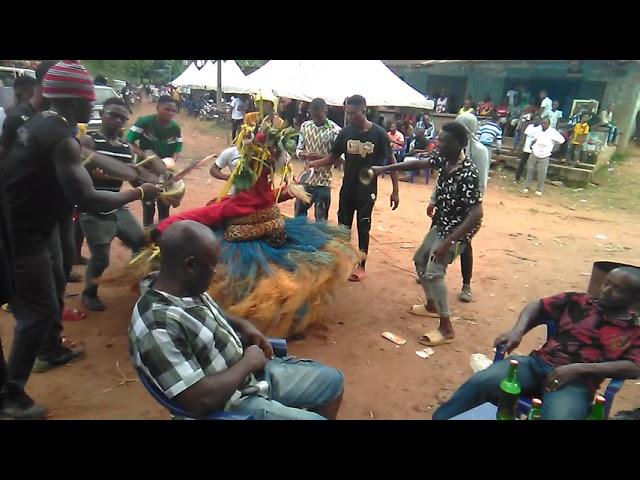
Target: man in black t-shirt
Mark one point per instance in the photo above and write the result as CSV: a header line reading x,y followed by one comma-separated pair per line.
x,y
364,144
44,177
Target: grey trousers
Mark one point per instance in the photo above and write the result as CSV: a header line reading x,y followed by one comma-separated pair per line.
x,y
431,274
539,166
99,231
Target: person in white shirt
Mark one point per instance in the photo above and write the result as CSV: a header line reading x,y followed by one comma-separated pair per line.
x,y
529,135
228,158
554,114
545,105
541,148
239,106
2,117
606,119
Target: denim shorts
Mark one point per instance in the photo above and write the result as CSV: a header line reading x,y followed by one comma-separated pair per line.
x,y
294,384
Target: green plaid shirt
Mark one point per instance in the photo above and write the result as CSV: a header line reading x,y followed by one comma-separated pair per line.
x,y
178,341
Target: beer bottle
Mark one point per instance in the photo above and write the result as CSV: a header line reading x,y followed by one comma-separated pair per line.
x,y
509,392
536,410
597,410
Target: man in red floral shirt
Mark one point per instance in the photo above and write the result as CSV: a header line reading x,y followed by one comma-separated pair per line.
x,y
594,339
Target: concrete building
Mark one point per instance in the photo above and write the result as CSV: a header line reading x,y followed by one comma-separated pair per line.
x,y
608,81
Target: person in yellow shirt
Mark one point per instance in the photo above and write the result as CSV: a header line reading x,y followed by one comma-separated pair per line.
x,y
177,98
579,136
467,107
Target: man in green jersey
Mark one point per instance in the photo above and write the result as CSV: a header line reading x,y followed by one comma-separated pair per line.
x,y
159,133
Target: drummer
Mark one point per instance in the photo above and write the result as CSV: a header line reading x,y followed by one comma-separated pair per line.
x,y
158,133
100,228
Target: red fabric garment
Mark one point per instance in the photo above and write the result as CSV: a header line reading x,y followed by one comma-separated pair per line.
x,y
258,197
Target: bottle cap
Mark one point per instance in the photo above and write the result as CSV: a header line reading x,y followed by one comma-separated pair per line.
x,y
513,362
600,399
536,402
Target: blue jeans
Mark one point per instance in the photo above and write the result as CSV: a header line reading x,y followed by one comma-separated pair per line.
x,y
294,384
320,199
571,402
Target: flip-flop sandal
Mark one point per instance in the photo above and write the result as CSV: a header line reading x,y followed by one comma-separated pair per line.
x,y
74,315
357,275
435,338
421,311
68,343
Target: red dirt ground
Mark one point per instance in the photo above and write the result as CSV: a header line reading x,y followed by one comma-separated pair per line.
x,y
383,381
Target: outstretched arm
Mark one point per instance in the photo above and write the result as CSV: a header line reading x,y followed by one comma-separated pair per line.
x,y
76,180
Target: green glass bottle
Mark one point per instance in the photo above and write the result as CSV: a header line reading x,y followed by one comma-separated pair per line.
x,y
536,410
597,410
509,392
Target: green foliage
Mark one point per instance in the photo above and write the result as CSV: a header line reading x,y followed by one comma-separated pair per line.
x,y
136,71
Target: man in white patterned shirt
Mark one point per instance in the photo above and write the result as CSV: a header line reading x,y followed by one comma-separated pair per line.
x,y
317,137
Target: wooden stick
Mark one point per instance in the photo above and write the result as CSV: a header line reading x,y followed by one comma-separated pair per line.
x,y
522,258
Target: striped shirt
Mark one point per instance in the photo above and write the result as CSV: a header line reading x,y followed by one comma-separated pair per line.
x,y
120,152
178,341
489,133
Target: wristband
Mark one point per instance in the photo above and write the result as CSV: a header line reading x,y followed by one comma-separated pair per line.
x,y
141,192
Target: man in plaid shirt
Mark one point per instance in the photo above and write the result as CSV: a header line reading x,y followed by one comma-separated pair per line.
x,y
204,358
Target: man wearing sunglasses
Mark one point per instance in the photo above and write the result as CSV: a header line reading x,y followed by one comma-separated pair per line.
x,y
100,228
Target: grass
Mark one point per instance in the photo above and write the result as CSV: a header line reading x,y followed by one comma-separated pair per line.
x,y
619,183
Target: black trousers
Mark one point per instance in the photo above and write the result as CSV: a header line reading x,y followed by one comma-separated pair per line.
x,y
234,128
522,165
37,307
149,212
349,206
68,244
466,264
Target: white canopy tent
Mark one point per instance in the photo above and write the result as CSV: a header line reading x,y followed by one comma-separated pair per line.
x,y
233,80
189,78
334,80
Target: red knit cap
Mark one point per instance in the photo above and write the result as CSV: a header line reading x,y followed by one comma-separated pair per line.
x,y
68,79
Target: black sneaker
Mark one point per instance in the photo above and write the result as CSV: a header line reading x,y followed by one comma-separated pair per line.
x,y
74,277
67,355
92,302
22,407
80,260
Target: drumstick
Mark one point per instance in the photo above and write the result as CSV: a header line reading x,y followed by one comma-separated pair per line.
x,y
189,169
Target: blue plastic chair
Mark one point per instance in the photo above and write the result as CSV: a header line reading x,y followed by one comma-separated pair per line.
x,y
279,349
524,403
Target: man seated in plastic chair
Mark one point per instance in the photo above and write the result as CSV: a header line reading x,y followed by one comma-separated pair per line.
x,y
204,359
595,339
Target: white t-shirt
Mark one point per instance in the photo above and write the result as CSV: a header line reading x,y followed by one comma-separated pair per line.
x,y
554,117
546,105
545,141
530,133
237,112
229,158
2,117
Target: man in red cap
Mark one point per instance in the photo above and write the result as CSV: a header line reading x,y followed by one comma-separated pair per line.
x,y
44,177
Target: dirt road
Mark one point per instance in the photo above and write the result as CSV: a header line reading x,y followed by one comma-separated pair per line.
x,y
554,234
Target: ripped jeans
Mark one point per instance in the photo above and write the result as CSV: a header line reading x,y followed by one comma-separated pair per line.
x,y
432,274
